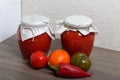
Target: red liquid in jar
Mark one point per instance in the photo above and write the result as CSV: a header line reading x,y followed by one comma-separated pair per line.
x,y
74,41
41,42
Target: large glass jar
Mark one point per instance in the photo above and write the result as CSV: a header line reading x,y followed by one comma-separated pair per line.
x,y
34,33
77,34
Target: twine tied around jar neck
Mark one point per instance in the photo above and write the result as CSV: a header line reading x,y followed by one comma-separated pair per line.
x,y
76,27
29,27
61,27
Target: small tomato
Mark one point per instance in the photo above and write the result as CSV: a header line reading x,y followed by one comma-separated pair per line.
x,y
81,60
38,59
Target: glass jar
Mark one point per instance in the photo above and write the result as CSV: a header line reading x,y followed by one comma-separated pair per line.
x,y
34,33
77,34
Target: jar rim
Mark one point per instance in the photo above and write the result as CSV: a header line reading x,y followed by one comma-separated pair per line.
x,y
78,21
34,20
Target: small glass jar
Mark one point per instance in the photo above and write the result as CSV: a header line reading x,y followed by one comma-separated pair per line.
x,y
77,34
34,33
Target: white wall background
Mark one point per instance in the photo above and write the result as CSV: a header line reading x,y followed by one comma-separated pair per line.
x,y
105,13
10,14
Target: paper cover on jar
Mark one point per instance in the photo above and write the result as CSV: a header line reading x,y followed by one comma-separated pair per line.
x,y
34,25
79,23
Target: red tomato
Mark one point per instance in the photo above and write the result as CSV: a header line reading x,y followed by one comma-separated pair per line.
x,y
38,60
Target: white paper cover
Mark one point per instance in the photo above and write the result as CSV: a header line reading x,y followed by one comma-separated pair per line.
x,y
31,32
32,26
78,22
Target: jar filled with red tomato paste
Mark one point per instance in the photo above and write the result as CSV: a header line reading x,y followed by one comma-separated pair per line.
x,y
34,33
77,34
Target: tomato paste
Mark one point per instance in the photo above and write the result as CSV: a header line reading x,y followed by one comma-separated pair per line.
x,y
74,41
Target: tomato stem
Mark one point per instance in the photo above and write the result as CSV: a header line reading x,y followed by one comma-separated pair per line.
x,y
55,68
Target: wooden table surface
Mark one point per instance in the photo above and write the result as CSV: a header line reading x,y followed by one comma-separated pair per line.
x,y
105,64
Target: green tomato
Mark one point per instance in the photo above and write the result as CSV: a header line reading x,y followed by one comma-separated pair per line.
x,y
81,60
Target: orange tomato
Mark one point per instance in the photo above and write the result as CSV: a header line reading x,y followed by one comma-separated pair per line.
x,y
59,56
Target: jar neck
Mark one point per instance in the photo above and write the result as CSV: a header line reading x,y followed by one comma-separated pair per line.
x,y
35,31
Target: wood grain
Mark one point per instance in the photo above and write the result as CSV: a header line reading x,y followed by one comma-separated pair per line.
x,y
105,64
